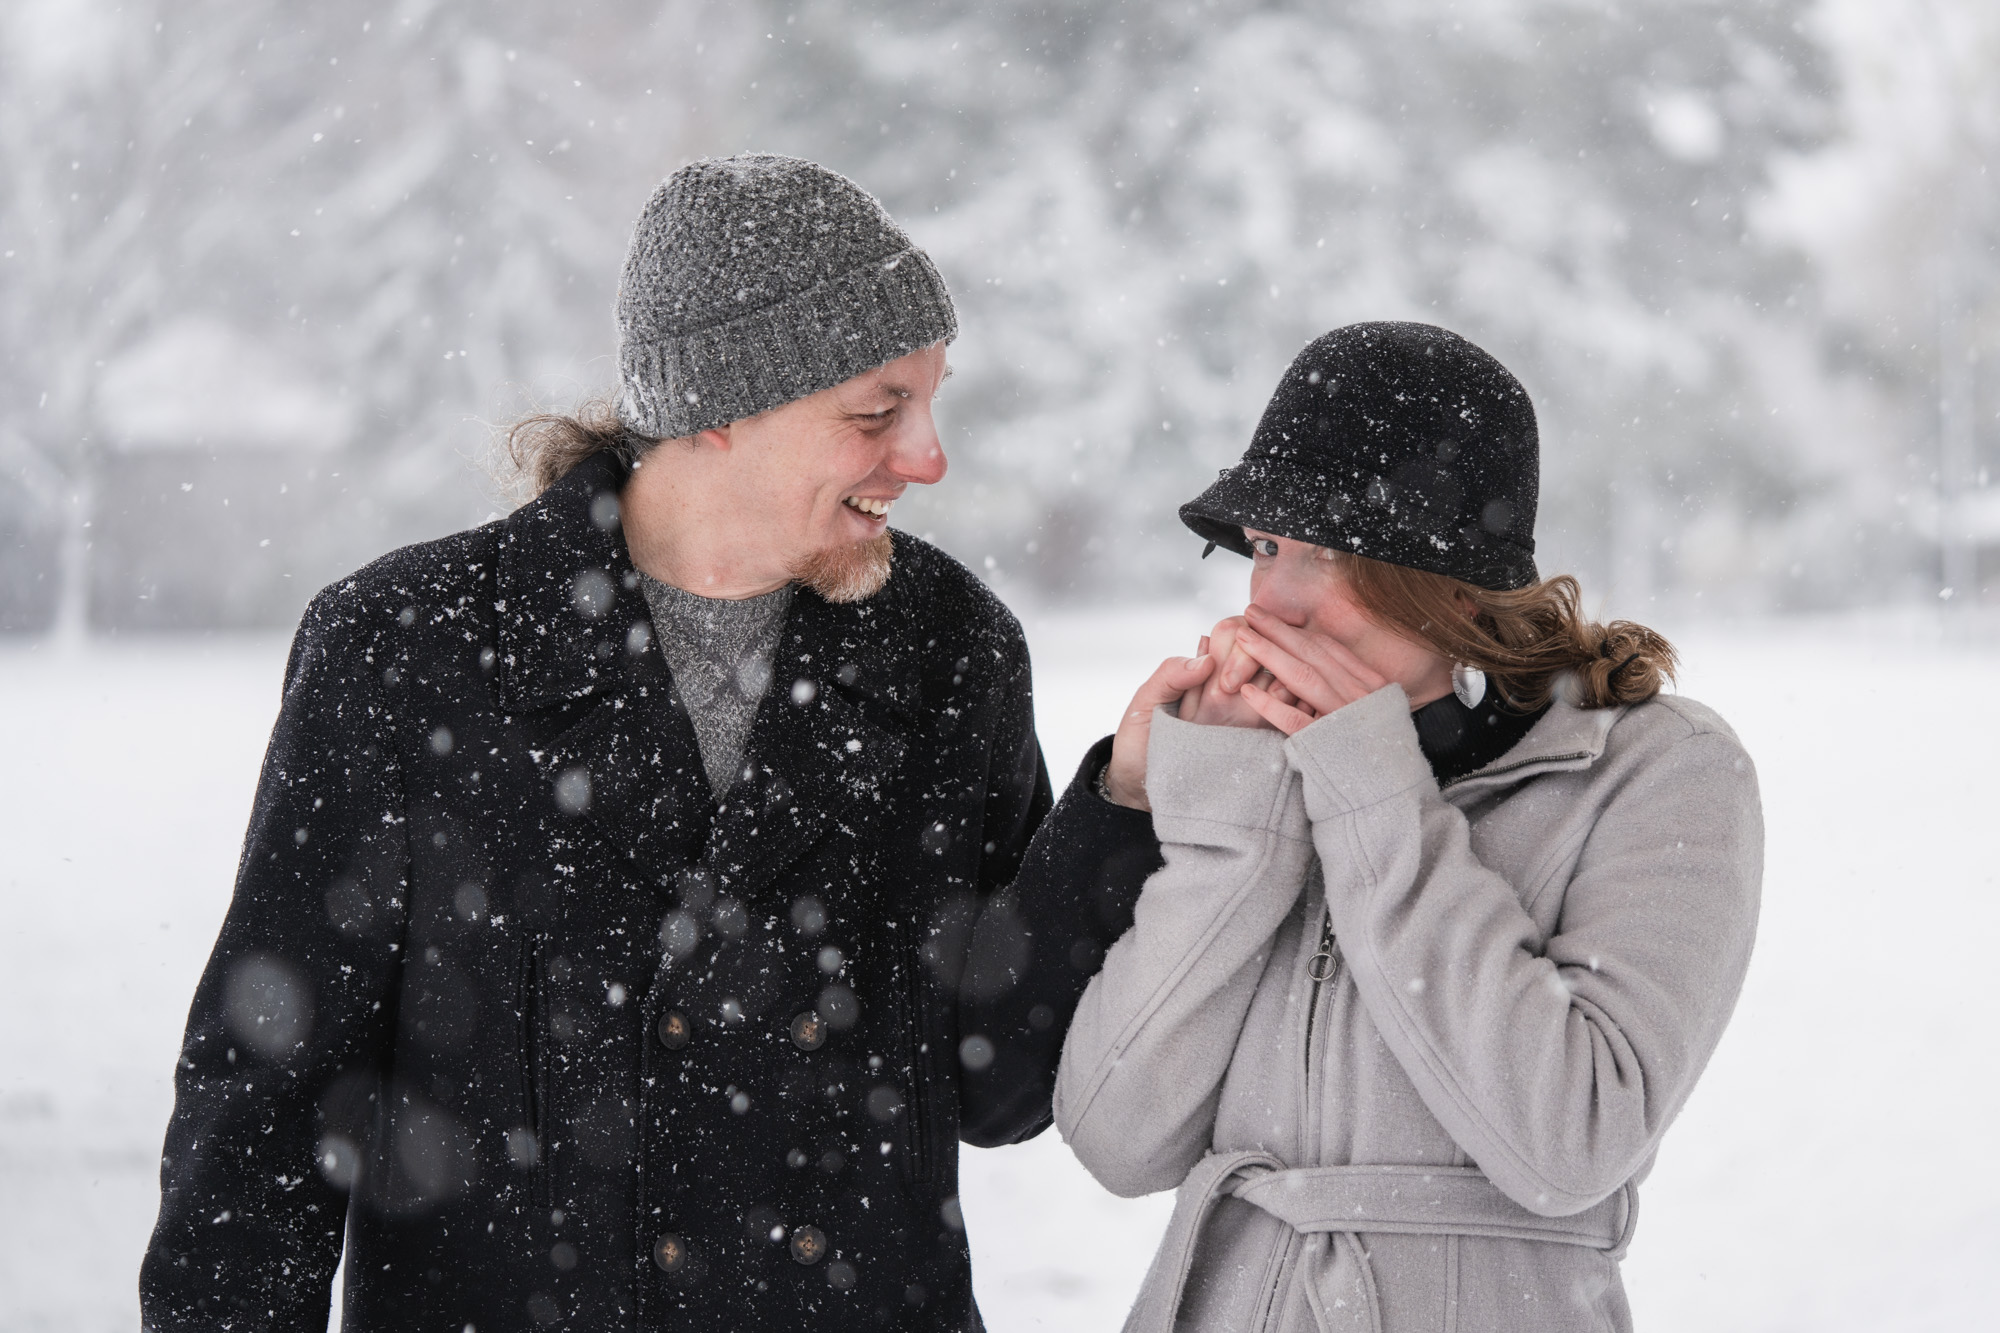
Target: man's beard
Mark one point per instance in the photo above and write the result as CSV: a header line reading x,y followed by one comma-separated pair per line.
x,y
847,573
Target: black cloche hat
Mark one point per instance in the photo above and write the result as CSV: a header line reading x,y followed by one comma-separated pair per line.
x,y
1400,442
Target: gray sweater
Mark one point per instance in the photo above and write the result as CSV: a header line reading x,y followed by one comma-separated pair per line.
x,y
720,652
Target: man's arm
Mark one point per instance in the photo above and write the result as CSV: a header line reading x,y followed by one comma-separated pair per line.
x,y
294,1016
1036,946
1040,940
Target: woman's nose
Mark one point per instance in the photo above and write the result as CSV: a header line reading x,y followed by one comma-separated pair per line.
x,y
1283,592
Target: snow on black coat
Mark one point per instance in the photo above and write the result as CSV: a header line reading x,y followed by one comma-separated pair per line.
x,y
550,1036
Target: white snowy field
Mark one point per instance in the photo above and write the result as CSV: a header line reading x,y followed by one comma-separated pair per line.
x,y
1831,1174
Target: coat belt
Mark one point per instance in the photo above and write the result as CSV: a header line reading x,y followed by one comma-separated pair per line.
x,y
1331,1205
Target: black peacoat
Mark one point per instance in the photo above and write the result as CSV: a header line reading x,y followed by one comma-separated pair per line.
x,y
512,1008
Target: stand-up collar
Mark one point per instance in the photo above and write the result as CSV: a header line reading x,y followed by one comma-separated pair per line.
x,y
1457,740
1565,737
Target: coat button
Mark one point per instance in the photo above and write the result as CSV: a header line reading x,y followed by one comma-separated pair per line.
x,y
674,1029
670,1253
808,1245
808,1031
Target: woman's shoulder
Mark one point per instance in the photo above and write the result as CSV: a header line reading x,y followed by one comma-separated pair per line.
x,y
1678,713
1670,722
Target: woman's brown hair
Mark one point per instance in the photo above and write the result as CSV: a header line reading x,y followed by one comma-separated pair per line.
x,y
1531,642
545,446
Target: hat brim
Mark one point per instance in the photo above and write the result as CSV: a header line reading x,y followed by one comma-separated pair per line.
x,y
1286,500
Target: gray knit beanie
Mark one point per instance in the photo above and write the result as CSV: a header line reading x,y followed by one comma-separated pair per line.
x,y
757,279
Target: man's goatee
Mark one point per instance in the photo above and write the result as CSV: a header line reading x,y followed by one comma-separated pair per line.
x,y
848,573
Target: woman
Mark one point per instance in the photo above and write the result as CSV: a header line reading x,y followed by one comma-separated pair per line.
x,y
1455,903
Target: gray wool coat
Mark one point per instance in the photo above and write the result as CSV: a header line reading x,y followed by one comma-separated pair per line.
x,y
1407,1052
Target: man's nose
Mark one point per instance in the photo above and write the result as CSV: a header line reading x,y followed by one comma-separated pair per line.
x,y
917,455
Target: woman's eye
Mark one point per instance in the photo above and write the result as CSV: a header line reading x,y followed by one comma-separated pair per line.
x,y
1264,546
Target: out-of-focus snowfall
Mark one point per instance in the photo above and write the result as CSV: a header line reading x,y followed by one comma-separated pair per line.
x,y
270,276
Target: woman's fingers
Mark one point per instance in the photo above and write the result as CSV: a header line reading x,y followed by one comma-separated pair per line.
x,y
1222,643
1320,669
1321,650
1285,717
1125,776
1304,680
1237,668
1217,709
1322,688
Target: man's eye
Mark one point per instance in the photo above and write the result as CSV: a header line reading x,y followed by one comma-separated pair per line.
x,y
1264,546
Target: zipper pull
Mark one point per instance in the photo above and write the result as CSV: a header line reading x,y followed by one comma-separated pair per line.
x,y
1320,966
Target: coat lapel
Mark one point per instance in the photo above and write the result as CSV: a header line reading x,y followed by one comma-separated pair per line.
x,y
631,766
828,738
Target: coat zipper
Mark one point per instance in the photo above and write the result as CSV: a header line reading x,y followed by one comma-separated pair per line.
x,y
1321,969
1503,769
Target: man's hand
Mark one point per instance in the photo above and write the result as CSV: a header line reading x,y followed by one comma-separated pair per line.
x,y
1125,775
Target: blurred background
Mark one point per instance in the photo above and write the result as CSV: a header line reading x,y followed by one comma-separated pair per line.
x,y
273,274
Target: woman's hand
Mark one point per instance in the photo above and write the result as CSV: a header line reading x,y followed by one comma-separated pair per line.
x,y
1176,679
1314,675
1219,702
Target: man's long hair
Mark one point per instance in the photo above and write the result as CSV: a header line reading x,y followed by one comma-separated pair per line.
x,y
544,447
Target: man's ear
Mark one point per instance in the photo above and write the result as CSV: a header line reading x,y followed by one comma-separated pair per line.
x,y
715,437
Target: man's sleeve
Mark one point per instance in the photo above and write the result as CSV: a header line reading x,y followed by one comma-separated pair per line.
x,y
295,1013
1065,893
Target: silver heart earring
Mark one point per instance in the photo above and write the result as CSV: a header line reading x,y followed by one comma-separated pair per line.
x,y
1468,683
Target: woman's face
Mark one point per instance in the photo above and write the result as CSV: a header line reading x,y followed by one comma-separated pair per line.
x,y
1297,583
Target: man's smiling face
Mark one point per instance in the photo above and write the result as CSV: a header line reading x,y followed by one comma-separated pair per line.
x,y
816,477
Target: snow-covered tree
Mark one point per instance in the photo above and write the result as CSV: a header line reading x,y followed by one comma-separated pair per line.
x,y
1148,209
408,215
1900,218
1706,235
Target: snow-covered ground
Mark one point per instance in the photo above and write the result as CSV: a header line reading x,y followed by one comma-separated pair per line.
x,y
1831,1174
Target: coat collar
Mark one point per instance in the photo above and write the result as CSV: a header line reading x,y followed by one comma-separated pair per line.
x,y
574,630
567,598
1566,737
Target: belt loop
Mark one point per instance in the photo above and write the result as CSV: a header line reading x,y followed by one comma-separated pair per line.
x,y
1367,1267
1629,1198
1371,1299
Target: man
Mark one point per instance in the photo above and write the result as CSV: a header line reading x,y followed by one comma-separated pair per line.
x,y
639,904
